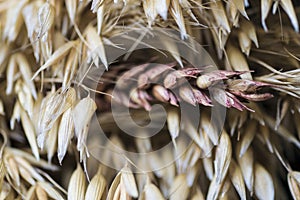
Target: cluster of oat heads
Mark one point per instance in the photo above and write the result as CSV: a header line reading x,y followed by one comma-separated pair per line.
x,y
256,44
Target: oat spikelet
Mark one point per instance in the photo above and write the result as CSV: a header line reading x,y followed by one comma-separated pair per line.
x,y
56,57
178,17
77,185
294,183
65,133
82,115
263,185
96,187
